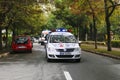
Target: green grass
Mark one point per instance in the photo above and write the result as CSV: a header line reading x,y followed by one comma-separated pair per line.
x,y
100,49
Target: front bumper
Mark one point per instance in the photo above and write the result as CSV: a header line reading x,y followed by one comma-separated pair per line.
x,y
53,56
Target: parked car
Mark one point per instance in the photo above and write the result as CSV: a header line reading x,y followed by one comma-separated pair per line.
x,y
22,43
62,45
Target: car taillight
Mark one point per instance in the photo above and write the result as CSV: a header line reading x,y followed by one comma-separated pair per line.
x,y
13,44
29,44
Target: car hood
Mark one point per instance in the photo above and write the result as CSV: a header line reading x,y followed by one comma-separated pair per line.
x,y
64,45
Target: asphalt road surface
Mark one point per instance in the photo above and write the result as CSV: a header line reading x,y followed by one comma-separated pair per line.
x,y
33,66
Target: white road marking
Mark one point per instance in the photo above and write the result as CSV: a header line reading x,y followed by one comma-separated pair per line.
x,y
10,62
67,75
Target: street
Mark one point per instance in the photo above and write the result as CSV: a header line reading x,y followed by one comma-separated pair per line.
x,y
33,66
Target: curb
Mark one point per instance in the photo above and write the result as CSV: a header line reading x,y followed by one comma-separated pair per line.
x,y
104,54
4,54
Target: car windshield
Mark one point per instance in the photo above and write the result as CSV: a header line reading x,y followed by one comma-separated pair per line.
x,y
62,38
21,40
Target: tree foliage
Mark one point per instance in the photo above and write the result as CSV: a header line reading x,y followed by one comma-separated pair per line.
x,y
84,17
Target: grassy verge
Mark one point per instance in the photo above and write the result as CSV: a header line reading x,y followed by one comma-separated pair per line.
x,y
100,50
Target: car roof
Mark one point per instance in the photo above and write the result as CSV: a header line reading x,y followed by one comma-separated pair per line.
x,y
61,33
22,36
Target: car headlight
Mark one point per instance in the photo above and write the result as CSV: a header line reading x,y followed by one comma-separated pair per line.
x,y
51,49
77,49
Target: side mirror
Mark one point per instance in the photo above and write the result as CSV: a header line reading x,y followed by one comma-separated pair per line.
x,y
80,42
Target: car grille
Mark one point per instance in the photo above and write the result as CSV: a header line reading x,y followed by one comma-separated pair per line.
x,y
65,50
64,56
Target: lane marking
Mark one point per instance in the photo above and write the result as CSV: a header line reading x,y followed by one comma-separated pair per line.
x,y
10,62
67,75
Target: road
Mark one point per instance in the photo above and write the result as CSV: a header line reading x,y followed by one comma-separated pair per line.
x,y
33,66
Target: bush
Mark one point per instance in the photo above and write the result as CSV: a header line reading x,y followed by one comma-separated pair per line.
x,y
115,43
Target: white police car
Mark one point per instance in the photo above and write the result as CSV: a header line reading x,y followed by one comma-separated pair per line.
x,y
62,45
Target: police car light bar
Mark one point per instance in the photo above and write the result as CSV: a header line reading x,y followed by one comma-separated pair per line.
x,y
61,30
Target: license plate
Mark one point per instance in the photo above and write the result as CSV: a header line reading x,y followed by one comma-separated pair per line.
x,y
21,47
65,53
62,53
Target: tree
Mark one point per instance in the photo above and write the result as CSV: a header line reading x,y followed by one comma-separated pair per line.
x,y
94,11
10,11
110,6
94,22
5,7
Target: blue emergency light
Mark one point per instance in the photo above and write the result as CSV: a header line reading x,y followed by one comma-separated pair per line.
x,y
61,30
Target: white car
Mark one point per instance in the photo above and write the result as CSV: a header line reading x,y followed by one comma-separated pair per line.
x,y
62,45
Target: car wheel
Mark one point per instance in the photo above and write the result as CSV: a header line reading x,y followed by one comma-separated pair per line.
x,y
77,60
45,53
48,60
30,51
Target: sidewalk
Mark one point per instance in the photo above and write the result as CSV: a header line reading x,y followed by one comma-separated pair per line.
x,y
4,53
100,46
116,49
102,50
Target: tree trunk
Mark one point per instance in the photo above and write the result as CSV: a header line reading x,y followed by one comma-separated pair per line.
x,y
78,33
95,30
13,35
6,42
94,23
108,34
86,36
108,26
0,38
91,32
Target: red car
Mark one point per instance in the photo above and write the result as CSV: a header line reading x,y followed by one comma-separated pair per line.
x,y
22,43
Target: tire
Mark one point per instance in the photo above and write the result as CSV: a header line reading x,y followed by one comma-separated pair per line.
x,y
48,60
30,51
77,60
45,53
